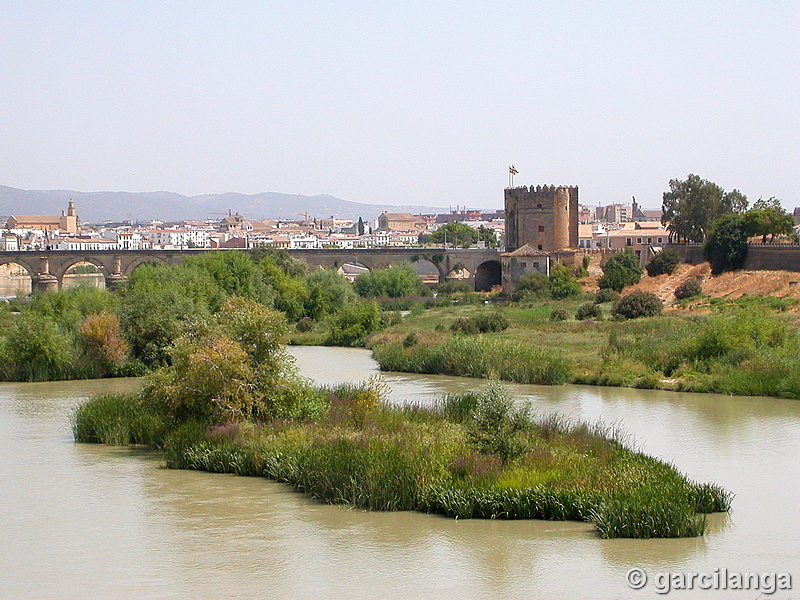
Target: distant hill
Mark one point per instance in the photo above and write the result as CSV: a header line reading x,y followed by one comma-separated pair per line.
x,y
168,206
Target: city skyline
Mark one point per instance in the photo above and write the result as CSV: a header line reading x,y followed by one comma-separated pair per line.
x,y
401,103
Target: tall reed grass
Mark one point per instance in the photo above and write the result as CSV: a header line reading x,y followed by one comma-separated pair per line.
x,y
117,419
476,356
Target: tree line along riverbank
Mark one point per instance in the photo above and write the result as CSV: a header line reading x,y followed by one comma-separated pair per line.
x,y
231,401
551,332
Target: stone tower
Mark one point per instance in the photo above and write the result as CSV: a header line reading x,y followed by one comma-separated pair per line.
x,y
546,217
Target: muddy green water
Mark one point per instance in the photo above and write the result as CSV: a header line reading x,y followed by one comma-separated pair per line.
x,y
86,521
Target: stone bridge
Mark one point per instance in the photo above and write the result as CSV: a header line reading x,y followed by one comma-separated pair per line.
x,y
47,269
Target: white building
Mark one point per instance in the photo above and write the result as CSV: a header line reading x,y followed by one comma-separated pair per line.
x,y
9,242
175,239
83,244
304,242
127,239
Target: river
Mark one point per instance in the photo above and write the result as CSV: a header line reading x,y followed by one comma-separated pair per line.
x,y
87,521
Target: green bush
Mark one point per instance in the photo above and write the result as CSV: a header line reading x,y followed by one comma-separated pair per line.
x,y
588,310
464,325
559,314
688,289
532,285
37,349
119,419
395,281
353,322
562,283
621,269
665,261
638,304
453,286
491,322
604,295
410,340
482,323
305,325
497,425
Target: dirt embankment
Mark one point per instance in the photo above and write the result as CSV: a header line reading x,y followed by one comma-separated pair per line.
x,y
782,284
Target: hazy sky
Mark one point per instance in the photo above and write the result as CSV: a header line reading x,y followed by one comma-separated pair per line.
x,y
401,102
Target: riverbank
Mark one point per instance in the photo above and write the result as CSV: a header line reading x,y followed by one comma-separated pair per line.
x,y
746,347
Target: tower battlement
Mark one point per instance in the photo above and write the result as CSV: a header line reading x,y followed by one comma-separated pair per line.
x,y
544,216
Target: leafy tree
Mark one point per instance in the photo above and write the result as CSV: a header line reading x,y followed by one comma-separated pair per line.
x,y
101,340
236,273
294,267
328,291
157,303
68,307
394,281
621,269
291,293
360,226
726,246
232,367
455,234
562,283
691,206
665,261
36,349
353,322
768,217
488,235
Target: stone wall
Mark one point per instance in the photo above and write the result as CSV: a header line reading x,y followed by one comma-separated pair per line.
x,y
779,257
773,258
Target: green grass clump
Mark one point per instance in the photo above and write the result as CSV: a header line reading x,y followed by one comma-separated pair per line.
x,y
646,518
117,419
476,356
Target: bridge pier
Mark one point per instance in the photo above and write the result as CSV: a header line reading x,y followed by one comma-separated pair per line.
x,y
115,278
44,281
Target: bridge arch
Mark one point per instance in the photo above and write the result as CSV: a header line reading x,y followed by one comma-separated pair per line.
x,y
15,277
142,260
65,267
488,274
352,269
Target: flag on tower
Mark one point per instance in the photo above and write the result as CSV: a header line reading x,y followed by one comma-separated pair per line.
x,y
512,170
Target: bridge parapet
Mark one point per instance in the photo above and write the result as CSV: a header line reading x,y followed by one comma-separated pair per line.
x,y
48,269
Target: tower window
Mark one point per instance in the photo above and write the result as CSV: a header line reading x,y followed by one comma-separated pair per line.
x,y
541,227
538,206
540,246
